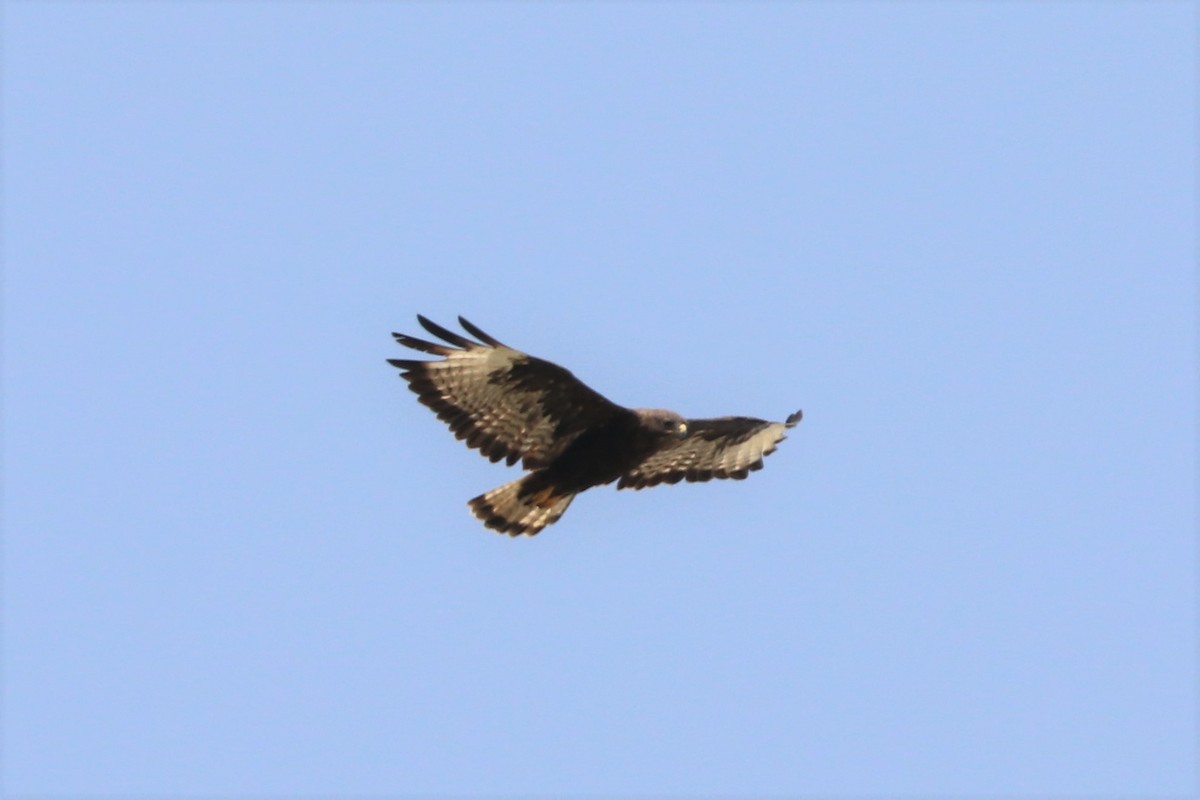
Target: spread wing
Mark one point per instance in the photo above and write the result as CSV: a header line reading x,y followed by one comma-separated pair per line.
x,y
726,447
504,402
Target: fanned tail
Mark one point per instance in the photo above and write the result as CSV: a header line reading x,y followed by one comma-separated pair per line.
x,y
520,507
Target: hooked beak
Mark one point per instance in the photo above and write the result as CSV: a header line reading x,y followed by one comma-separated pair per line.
x,y
681,430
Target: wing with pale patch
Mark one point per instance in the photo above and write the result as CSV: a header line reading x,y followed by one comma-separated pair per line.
x,y
726,447
506,403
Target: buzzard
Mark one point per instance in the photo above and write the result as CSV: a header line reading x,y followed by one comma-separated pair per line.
x,y
513,406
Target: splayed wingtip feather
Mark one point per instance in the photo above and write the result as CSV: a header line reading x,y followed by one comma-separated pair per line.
x,y
444,333
478,332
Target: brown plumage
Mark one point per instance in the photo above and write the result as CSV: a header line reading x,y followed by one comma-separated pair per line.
x,y
513,406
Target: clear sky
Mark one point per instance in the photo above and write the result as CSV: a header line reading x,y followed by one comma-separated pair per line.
x,y
960,236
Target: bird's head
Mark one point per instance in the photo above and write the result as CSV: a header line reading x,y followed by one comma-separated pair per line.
x,y
663,422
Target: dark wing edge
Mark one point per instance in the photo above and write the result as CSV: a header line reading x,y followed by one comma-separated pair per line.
x,y
505,403
723,447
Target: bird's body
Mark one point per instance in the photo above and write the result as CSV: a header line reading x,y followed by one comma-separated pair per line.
x,y
590,460
513,406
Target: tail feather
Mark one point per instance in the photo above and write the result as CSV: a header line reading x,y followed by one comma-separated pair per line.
x,y
508,510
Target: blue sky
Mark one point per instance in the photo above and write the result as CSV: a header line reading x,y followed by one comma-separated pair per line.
x,y
960,236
